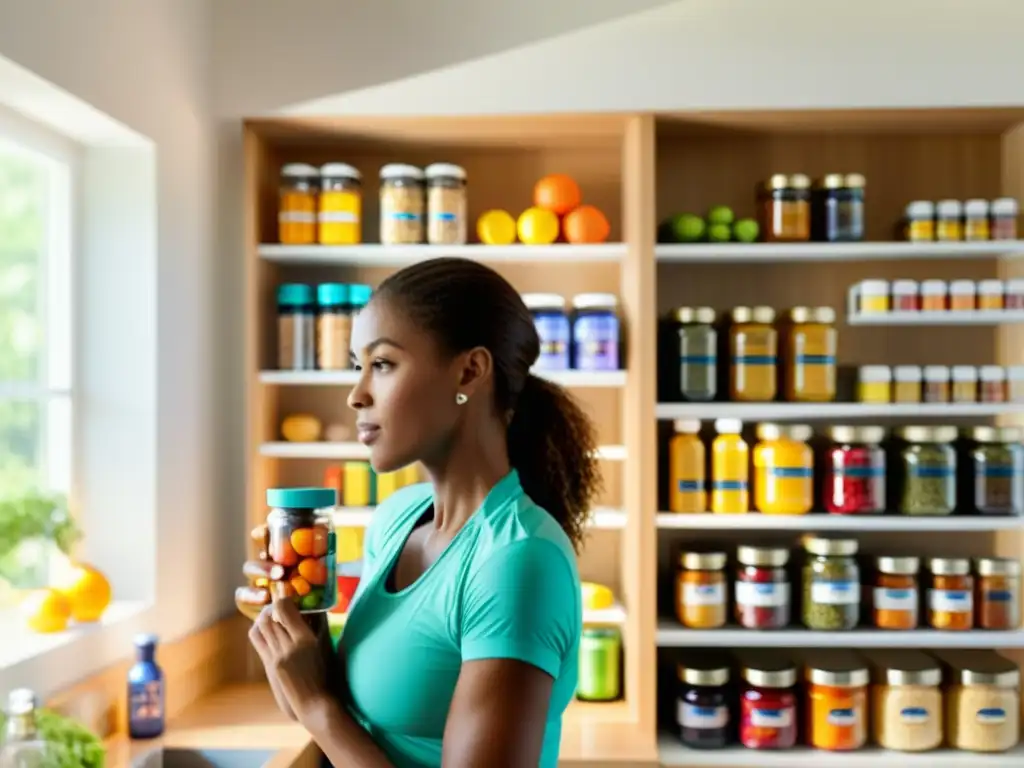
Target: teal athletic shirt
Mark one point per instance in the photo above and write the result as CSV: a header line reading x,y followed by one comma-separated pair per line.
x,y
506,587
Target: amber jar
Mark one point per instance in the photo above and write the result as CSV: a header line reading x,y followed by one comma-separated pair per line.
x,y
997,593
950,594
753,355
965,384
700,590
809,358
786,208
936,384
895,596
992,387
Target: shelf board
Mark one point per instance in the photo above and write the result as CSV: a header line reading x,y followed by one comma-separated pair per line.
x,y
611,617
961,317
591,712
787,411
773,253
576,379
672,635
371,255
604,518
357,451
754,521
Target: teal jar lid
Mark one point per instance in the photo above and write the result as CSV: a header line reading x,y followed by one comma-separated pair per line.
x,y
301,498
359,295
332,294
294,295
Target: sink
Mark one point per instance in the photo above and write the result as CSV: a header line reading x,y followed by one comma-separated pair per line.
x,y
204,758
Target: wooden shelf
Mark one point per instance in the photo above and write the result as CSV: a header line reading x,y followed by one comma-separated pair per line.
x,y
754,521
572,379
393,256
780,253
963,317
831,411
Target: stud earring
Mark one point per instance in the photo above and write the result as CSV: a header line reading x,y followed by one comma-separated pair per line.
x,y
461,398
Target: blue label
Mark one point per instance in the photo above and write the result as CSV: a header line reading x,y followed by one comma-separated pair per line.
x,y
689,486
991,715
730,485
754,360
698,359
442,216
815,360
842,717
790,472
914,715
931,471
859,471
995,470
999,596
402,216
899,594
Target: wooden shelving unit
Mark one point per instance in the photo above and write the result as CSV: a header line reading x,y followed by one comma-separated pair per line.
x,y
638,169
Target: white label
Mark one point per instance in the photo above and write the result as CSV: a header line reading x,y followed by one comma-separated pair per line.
x,y
297,217
950,600
703,594
772,718
338,217
892,599
836,592
702,718
843,717
914,716
762,595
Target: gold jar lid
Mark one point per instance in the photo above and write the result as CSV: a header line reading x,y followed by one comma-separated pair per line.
x,y
855,181
869,434
997,566
764,315
797,432
827,547
949,566
995,434
695,315
822,315
702,561
766,557
799,181
840,669
898,667
741,314
831,181
927,434
711,676
777,181
898,566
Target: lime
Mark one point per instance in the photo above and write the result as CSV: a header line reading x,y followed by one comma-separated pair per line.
x,y
746,231
720,214
719,233
538,226
688,228
496,227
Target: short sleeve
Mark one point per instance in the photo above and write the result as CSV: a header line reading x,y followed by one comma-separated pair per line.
x,y
524,604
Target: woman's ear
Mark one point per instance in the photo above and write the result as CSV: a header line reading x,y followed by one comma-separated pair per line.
x,y
476,367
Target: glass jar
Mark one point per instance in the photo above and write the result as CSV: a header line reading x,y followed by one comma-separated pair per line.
x,y
333,327
949,225
919,221
965,384
762,588
595,332
783,470
990,294
929,470
997,593
768,703
934,296
700,590
963,296
753,352
702,706
906,701
401,204
976,220
950,594
855,471
837,204
992,473
906,387
895,596
600,664
992,387
698,353
837,717
300,539
357,484
1003,225
786,208
296,212
1015,383
687,491
874,384
730,472
906,296
831,584
340,209
872,296
446,204
1013,296
982,700
552,324
936,384
810,367
296,327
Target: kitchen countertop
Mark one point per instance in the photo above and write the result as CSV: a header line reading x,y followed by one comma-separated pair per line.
x,y
246,717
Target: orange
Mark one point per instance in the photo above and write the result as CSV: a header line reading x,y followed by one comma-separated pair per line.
x,y
313,570
586,224
309,542
300,585
46,610
87,590
557,192
537,226
496,228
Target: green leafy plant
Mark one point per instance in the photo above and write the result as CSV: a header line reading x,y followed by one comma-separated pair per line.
x,y
69,743
36,516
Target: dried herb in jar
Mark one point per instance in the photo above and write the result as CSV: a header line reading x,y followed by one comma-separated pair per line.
x,y
929,470
993,474
831,584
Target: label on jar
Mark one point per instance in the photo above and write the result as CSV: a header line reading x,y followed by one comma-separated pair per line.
x,y
914,715
835,592
991,715
771,718
702,718
730,485
689,486
994,470
997,596
950,600
703,594
919,471
891,599
755,359
597,342
815,359
297,217
762,595
843,717
698,359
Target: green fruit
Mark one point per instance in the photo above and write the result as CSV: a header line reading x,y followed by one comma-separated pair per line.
x,y
746,231
719,233
721,214
688,228
311,600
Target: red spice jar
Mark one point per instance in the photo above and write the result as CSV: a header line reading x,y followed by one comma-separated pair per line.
x,y
905,296
762,588
855,471
767,703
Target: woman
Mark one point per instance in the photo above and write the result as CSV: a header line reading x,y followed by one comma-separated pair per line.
x,y
461,645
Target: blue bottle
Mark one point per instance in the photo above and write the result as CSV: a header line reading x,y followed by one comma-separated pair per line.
x,y
145,691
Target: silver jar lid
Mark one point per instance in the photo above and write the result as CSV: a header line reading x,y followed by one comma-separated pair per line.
x,y
840,671
997,566
949,566
905,667
977,667
702,561
768,557
769,674
869,435
830,547
899,566
714,675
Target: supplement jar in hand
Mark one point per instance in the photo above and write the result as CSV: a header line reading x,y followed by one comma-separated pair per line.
x,y
300,539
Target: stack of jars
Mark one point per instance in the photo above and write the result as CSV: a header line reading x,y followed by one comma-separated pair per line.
x,y
940,384
314,325
872,297
953,220
831,210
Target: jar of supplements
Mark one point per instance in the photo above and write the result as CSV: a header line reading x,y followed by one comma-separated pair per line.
x,y
401,204
949,224
982,700
963,295
552,324
992,384
906,296
333,327
837,716
730,474
810,362
906,711
296,327
698,351
595,332
1003,225
872,296
895,596
965,384
928,468
874,384
934,296
762,587
297,202
783,470
768,714
950,593
600,664
976,220
936,384
702,706
992,473
855,471
990,294
700,590
753,353
837,208
446,204
340,214
300,542
786,208
1015,383
1013,297
997,593
919,221
906,384
687,492
831,584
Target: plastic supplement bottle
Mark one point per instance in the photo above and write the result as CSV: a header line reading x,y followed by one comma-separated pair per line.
x,y
687,492
730,473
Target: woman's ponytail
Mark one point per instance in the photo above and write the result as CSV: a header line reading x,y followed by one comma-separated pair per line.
x,y
551,443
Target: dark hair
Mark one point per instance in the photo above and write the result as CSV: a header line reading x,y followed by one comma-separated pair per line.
x,y
551,441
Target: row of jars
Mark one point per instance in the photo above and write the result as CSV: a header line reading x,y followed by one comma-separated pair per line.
x,y
325,205
950,594
925,221
907,700
940,384
793,210
764,354
587,339
880,296
933,470
314,324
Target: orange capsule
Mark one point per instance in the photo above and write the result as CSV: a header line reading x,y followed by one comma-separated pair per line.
x,y
313,570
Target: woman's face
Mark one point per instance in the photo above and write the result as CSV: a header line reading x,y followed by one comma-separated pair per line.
x,y
405,398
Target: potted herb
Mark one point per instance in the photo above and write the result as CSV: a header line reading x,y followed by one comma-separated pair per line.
x,y
32,528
